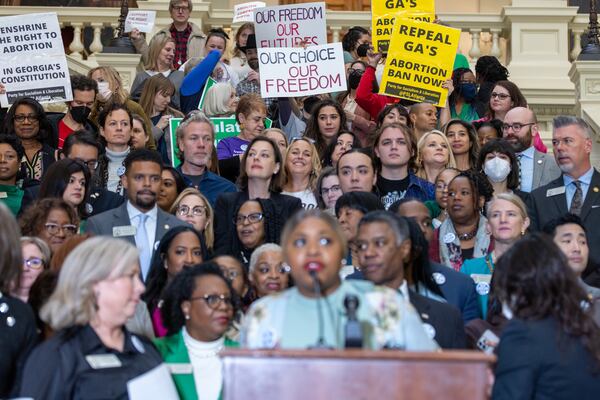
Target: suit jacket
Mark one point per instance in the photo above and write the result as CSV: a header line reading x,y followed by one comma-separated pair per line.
x,y
103,224
444,318
544,208
458,290
545,169
537,360
227,204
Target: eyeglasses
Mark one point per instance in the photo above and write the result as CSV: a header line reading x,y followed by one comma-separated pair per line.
x,y
214,300
91,164
333,189
198,211
282,269
181,9
230,274
441,186
516,127
29,117
33,263
53,229
501,96
251,218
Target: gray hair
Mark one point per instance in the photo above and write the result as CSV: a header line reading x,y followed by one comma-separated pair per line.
x,y
398,225
215,102
73,301
259,251
41,245
197,117
568,120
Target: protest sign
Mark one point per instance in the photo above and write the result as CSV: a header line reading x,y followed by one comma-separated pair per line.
x,y
140,19
245,12
32,60
384,13
298,71
420,59
209,83
287,26
224,127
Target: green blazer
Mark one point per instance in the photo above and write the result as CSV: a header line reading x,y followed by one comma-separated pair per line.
x,y
173,351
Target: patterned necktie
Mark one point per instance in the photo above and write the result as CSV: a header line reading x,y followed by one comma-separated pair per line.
x,y
577,201
141,240
519,156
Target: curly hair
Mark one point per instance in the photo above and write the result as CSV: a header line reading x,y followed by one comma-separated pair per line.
x,y
534,279
502,147
480,185
33,219
182,288
45,128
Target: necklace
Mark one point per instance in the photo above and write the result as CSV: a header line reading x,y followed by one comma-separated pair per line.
x,y
468,235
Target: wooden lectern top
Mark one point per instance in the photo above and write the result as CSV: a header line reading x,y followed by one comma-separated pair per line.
x,y
354,374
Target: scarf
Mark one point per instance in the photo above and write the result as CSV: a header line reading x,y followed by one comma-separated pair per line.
x,y
450,252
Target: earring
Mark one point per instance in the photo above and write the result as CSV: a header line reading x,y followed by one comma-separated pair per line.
x,y
523,232
165,265
187,317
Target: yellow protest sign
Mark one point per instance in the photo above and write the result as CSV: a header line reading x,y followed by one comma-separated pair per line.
x,y
420,59
384,12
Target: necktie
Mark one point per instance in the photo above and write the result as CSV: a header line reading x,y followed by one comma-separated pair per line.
x,y
141,240
519,156
577,201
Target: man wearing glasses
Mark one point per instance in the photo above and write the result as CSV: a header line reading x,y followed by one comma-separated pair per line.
x,y
535,168
82,146
189,39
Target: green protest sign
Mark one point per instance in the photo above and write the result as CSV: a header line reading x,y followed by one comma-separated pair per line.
x,y
224,127
209,83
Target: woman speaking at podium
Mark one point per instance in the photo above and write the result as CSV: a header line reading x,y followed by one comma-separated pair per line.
x,y
316,312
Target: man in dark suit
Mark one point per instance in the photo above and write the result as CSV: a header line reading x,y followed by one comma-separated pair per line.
x,y
383,243
578,189
138,220
81,146
536,168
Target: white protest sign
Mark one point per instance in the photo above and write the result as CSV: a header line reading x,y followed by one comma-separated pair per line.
x,y
140,19
287,26
32,59
245,12
297,71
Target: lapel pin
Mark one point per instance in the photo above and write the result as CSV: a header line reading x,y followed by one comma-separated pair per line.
x,y
596,190
167,227
540,161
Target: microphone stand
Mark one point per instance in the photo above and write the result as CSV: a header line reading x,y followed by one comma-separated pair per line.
x,y
321,344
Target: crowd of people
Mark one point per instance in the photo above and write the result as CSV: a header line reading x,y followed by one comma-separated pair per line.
x,y
448,227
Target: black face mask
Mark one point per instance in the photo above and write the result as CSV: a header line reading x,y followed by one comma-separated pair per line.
x,y
354,78
80,114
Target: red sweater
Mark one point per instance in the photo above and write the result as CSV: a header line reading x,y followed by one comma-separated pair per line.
x,y
371,102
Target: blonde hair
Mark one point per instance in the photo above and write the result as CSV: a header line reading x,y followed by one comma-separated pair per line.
x,y
111,75
420,169
315,161
511,198
154,48
209,233
73,301
217,97
42,247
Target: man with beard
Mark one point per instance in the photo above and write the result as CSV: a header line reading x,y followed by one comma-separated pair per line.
x,y
138,220
577,191
536,168
251,83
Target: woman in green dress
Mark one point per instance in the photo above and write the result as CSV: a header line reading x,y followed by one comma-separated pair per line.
x,y
314,247
198,308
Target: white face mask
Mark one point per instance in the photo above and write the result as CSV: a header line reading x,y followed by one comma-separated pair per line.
x,y
104,91
496,169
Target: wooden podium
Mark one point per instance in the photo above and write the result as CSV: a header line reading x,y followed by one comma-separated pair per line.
x,y
354,374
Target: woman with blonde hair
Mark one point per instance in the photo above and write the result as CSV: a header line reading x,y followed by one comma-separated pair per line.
x,y
160,61
111,90
194,208
156,96
36,259
220,100
433,155
98,290
238,61
302,169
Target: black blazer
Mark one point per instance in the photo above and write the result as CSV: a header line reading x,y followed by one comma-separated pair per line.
x,y
444,318
538,360
544,207
227,203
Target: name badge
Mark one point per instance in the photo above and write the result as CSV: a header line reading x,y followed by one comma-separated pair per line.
x,y
555,191
3,195
102,361
179,369
125,230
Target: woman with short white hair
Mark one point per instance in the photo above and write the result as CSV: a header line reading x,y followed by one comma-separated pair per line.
x,y
98,290
220,100
268,273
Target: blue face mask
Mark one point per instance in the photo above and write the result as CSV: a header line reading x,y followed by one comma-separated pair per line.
x,y
468,91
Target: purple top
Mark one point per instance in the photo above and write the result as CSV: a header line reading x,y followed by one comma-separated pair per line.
x,y
230,147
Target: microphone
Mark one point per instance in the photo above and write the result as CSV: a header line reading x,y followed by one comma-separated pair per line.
x,y
321,345
353,331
